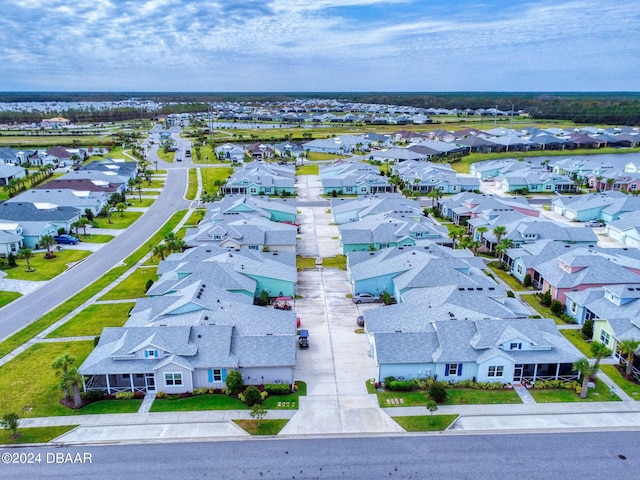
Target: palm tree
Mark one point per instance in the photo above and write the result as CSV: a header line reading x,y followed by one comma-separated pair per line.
x,y
610,182
586,371
502,247
159,250
599,350
629,348
72,380
598,182
62,365
106,211
499,231
27,253
455,233
121,207
48,241
434,195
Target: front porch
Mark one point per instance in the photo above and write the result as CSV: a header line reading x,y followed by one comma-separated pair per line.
x,y
530,372
121,382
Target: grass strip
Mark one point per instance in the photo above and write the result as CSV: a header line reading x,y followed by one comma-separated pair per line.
x,y
262,427
34,435
425,423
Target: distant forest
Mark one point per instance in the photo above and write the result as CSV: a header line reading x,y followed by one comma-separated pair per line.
x,y
587,108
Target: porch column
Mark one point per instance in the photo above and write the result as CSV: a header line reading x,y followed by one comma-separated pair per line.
x,y
84,385
557,371
131,380
535,371
108,385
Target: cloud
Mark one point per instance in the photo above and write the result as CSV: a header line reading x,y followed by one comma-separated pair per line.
x,y
323,44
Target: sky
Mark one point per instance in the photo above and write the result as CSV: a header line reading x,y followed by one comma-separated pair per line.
x,y
319,45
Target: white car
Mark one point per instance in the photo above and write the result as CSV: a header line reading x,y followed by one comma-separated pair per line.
x,y
365,297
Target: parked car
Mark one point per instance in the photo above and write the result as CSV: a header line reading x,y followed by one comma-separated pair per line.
x,y
66,239
360,320
303,338
594,223
364,297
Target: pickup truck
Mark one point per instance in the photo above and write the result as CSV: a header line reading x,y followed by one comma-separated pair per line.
x,y
66,239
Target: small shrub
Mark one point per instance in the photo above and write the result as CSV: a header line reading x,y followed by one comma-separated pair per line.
x,y
277,389
545,301
510,294
388,380
138,395
527,282
161,395
93,395
556,307
148,285
437,392
264,395
200,391
96,340
587,330
234,382
252,396
400,385
124,395
11,260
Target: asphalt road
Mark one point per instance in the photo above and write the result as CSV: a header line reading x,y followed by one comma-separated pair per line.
x,y
491,457
29,308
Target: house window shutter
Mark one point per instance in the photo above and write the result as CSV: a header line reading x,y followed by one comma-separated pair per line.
x,y
146,354
446,369
210,375
459,369
155,354
224,374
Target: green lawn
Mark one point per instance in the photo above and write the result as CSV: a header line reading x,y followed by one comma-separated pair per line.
x,y
455,396
463,396
324,156
339,261
95,238
309,169
29,385
192,187
195,217
544,312
598,394
198,402
135,201
133,286
576,339
93,319
155,183
305,262
210,175
34,435
630,387
118,220
262,427
8,297
168,156
110,406
287,402
510,280
46,269
425,423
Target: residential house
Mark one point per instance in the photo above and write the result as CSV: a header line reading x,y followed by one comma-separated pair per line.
x,y
231,152
347,209
626,230
605,206
402,269
82,200
231,206
536,182
353,178
10,238
38,219
388,230
245,231
423,177
261,179
259,151
10,172
486,350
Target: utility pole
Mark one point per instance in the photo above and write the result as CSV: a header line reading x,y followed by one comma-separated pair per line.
x,y
495,116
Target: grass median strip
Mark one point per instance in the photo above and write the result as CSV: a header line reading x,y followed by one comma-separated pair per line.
x,y
425,423
261,427
8,297
134,286
34,435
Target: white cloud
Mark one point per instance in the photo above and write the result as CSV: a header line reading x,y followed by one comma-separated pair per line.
x,y
301,45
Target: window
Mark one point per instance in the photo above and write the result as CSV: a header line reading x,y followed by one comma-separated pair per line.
x,y
172,379
605,337
519,269
453,370
548,187
515,346
253,247
217,375
574,307
495,371
151,353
